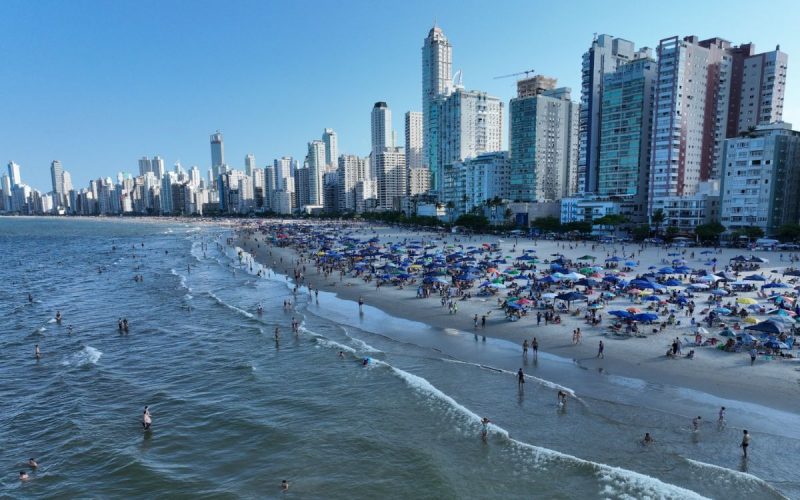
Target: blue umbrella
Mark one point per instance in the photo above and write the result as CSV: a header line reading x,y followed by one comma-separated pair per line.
x,y
673,282
719,292
621,314
631,263
646,317
652,298
722,310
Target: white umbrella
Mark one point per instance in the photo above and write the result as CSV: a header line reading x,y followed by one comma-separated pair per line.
x,y
548,295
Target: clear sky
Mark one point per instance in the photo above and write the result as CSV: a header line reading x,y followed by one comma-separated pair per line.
x,y
98,84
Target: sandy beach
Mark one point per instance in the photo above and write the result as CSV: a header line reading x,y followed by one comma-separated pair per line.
x,y
772,382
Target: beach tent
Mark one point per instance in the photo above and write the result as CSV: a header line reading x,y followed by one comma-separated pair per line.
x,y
768,326
646,317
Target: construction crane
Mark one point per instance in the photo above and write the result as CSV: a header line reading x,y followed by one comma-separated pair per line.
x,y
526,73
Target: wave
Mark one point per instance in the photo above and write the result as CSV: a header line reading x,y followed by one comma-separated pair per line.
x,y
615,481
182,277
540,381
333,344
723,475
229,306
86,356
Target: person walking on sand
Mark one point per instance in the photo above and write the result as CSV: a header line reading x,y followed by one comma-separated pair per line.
x,y
721,419
600,349
753,355
745,442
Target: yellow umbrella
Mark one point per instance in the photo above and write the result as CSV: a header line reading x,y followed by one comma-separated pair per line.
x,y
746,300
750,320
646,291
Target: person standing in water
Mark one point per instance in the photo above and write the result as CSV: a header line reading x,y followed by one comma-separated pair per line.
x,y
562,398
648,439
600,349
361,305
485,427
58,317
147,419
535,346
745,442
696,423
520,379
37,352
721,419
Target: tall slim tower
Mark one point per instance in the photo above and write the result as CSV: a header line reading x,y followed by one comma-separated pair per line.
x,y
250,164
437,62
316,170
13,174
414,152
331,148
217,154
57,176
157,165
381,127
604,56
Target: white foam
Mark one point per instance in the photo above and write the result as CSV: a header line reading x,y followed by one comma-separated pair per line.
x,y
363,346
333,344
231,307
729,474
541,381
616,481
86,356
183,279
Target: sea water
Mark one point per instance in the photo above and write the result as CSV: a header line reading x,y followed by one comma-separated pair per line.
x,y
235,412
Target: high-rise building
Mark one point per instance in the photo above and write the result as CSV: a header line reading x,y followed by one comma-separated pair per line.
x,y
419,181
535,85
414,152
316,170
5,186
283,172
604,56
761,179
330,139
144,165
351,170
626,122
250,164
543,148
392,176
437,62
57,178
217,154
470,183
381,127
14,174
157,164
468,123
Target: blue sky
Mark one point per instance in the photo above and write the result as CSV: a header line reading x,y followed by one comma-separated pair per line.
x,y
99,84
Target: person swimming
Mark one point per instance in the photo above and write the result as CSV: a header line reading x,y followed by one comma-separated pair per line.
x,y
30,298
32,463
23,476
147,419
284,485
58,317
365,362
562,398
648,439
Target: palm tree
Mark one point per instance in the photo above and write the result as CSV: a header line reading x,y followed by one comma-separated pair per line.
x,y
450,206
658,219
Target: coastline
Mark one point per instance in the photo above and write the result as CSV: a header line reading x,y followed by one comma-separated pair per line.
x,y
773,384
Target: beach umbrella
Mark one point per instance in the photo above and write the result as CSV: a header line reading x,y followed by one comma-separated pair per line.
x,y
768,326
571,296
706,252
727,333
793,272
646,317
701,330
613,259
747,338
548,295
746,301
573,276
673,282
633,310
497,285
722,310
699,286
586,270
774,344
620,314
653,298
750,320
683,270
775,285
666,270
587,257
755,277
719,292
673,254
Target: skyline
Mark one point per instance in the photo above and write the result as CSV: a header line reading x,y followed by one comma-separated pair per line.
x,y
99,109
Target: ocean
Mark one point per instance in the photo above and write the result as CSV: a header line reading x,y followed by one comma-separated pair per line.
x,y
235,412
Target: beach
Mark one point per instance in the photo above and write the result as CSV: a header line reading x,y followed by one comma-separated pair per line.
x,y
774,383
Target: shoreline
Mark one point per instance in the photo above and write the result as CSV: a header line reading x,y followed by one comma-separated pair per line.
x,y
716,373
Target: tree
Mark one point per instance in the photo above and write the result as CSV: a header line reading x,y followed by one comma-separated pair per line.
x,y
582,227
472,221
672,231
658,219
610,220
788,232
752,232
710,232
640,232
548,224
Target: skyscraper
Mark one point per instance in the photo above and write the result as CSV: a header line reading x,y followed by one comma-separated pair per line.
x,y
625,131
13,174
414,152
604,56
57,178
144,165
381,127
217,154
468,123
250,164
283,173
437,62
316,171
157,165
330,139
543,146
392,175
